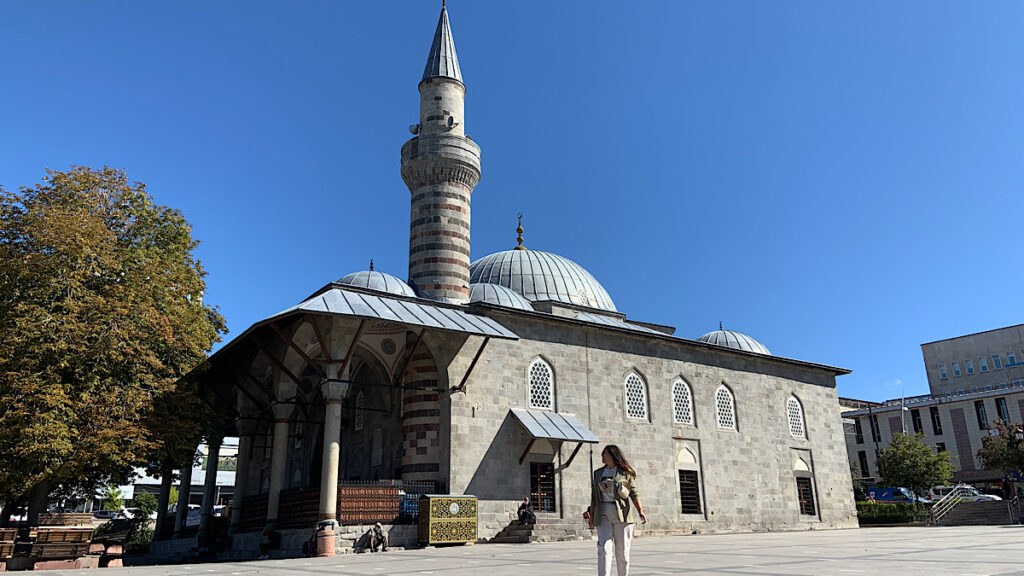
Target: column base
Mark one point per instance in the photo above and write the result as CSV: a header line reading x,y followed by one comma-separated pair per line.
x,y
325,543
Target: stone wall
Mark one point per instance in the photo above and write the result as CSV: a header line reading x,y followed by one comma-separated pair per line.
x,y
748,479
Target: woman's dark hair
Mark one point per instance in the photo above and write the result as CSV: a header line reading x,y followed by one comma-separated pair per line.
x,y
620,461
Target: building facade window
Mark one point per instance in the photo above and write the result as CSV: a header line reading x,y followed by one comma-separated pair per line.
x,y
682,403
979,411
936,421
915,417
956,369
858,431
806,495
876,435
942,371
1001,409
542,486
862,458
983,363
1011,359
636,397
969,365
997,363
358,418
689,492
940,447
725,409
542,385
795,413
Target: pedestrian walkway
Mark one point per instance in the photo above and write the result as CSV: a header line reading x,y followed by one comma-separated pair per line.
x,y
959,550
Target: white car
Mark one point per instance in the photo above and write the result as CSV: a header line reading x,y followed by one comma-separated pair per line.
x,y
972,494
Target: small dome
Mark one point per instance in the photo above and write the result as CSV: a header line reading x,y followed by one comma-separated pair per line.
x,y
539,276
736,340
498,295
379,281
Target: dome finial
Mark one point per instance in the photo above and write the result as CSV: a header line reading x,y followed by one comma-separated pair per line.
x,y
519,231
371,264
719,322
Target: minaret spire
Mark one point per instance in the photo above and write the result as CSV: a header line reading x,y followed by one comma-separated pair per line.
x,y
442,61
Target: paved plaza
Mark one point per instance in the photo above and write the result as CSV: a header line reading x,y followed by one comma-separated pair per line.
x,y
963,551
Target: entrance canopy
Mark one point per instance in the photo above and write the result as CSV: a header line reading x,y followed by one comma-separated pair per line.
x,y
544,425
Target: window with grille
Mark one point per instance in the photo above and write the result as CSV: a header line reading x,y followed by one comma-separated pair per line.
x,y
859,431
360,399
862,458
541,385
542,486
682,403
915,417
725,409
1004,414
689,491
936,421
636,397
377,452
796,417
806,495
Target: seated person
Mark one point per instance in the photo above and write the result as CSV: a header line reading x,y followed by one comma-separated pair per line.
x,y
526,515
378,538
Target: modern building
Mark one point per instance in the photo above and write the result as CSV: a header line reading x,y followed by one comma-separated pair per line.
x,y
974,380
504,376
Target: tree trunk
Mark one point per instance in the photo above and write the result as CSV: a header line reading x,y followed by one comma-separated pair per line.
x,y
38,498
166,481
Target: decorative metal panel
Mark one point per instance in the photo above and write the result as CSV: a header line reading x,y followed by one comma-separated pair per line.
x,y
447,519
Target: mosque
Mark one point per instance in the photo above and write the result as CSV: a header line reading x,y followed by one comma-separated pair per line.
x,y
503,377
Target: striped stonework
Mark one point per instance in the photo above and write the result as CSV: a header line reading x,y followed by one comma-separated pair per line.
x,y
421,420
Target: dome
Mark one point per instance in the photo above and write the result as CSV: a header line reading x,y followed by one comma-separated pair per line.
x,y
498,295
379,281
732,339
537,276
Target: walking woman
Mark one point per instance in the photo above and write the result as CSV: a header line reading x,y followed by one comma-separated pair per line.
x,y
613,495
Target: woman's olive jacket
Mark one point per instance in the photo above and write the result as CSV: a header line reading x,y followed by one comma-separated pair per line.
x,y
624,507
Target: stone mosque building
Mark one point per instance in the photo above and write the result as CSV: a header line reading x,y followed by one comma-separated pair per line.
x,y
504,377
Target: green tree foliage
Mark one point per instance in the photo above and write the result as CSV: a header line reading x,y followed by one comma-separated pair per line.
x,y
908,463
1002,453
101,314
113,498
173,497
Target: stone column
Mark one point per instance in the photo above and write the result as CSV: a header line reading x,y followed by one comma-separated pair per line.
x,y
278,459
334,394
184,492
245,435
210,487
166,481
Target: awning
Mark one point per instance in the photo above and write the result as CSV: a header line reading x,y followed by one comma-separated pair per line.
x,y
337,301
544,425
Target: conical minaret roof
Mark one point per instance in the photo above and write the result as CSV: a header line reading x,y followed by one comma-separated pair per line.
x,y
442,61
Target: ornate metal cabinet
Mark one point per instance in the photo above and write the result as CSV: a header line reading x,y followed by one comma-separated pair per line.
x,y
447,519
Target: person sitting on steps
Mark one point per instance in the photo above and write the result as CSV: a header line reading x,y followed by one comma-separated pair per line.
x,y
526,514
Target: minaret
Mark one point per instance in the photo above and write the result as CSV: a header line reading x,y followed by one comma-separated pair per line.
x,y
441,166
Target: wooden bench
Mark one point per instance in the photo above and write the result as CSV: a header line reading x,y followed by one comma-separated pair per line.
x,y
61,543
65,519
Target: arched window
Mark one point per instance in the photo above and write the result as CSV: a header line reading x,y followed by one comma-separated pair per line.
x,y
796,417
360,399
636,397
725,409
682,403
542,385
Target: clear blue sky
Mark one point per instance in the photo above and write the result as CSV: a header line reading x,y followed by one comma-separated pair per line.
x,y
840,180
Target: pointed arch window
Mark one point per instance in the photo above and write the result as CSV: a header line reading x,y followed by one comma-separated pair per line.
x,y
682,403
360,399
542,385
636,397
795,413
725,408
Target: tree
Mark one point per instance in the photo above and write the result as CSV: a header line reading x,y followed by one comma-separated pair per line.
x,y
908,463
113,498
101,312
173,499
1003,453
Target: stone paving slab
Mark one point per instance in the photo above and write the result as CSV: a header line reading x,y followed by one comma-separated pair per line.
x,y
961,551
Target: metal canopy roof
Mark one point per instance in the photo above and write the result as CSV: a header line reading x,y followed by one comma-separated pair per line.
x,y
338,301
554,426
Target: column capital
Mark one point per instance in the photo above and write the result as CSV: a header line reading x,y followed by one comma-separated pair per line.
x,y
334,391
283,411
246,427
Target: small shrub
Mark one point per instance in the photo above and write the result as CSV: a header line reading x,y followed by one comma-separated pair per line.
x,y
891,513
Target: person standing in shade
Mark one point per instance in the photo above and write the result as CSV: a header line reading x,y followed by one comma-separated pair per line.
x,y
613,496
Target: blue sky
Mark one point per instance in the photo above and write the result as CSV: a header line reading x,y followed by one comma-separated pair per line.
x,y
839,180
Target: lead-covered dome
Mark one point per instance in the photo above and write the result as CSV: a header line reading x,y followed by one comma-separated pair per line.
x,y
538,276
380,281
733,339
498,295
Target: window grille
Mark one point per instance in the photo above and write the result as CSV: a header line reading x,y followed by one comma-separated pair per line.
x,y
360,399
636,397
541,385
689,491
682,403
725,409
806,496
542,486
796,417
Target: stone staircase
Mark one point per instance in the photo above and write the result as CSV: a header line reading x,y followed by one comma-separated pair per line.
x,y
543,530
978,514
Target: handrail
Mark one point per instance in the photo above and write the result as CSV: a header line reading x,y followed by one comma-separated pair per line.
x,y
1010,506
948,502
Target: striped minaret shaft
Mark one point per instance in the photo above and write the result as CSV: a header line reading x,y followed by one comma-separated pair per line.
x,y
441,166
